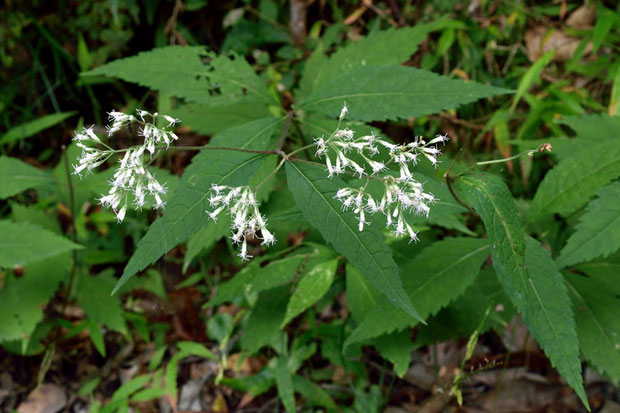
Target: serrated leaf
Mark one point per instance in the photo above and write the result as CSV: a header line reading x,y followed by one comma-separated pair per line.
x,y
34,215
190,72
28,129
209,120
22,243
391,46
574,180
93,295
604,271
463,316
185,212
598,324
262,327
23,299
396,348
204,239
593,127
314,195
435,277
311,288
549,315
255,278
528,275
394,92
598,231
17,176
361,296
284,384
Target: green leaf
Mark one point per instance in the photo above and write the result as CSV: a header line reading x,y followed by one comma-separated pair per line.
x,y
23,299
604,271
394,92
598,231
35,215
313,393
434,278
130,387
28,129
361,296
574,180
190,72
190,348
93,295
209,120
22,243
262,327
96,336
17,176
284,383
463,316
593,127
185,212
151,393
314,195
531,76
311,288
528,275
549,316
396,348
268,272
605,20
598,324
392,46
204,239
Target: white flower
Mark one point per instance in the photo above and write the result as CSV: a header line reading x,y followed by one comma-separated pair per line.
x,y
244,251
402,194
344,111
131,177
120,215
376,166
171,121
142,114
240,202
119,121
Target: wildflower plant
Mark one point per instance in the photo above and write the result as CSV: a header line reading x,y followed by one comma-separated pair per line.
x,y
310,177
131,182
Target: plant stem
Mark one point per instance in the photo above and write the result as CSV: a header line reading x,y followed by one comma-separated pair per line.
x,y
303,148
289,117
73,237
449,181
271,174
223,148
529,152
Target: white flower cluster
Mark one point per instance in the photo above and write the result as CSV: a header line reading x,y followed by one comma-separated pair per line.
x,y
401,194
240,202
131,177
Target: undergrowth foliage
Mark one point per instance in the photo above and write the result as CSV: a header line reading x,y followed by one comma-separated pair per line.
x,y
322,166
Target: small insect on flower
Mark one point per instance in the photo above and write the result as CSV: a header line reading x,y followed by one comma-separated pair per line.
x,y
240,203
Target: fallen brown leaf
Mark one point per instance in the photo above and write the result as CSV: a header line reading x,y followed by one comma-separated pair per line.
x,y
47,398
